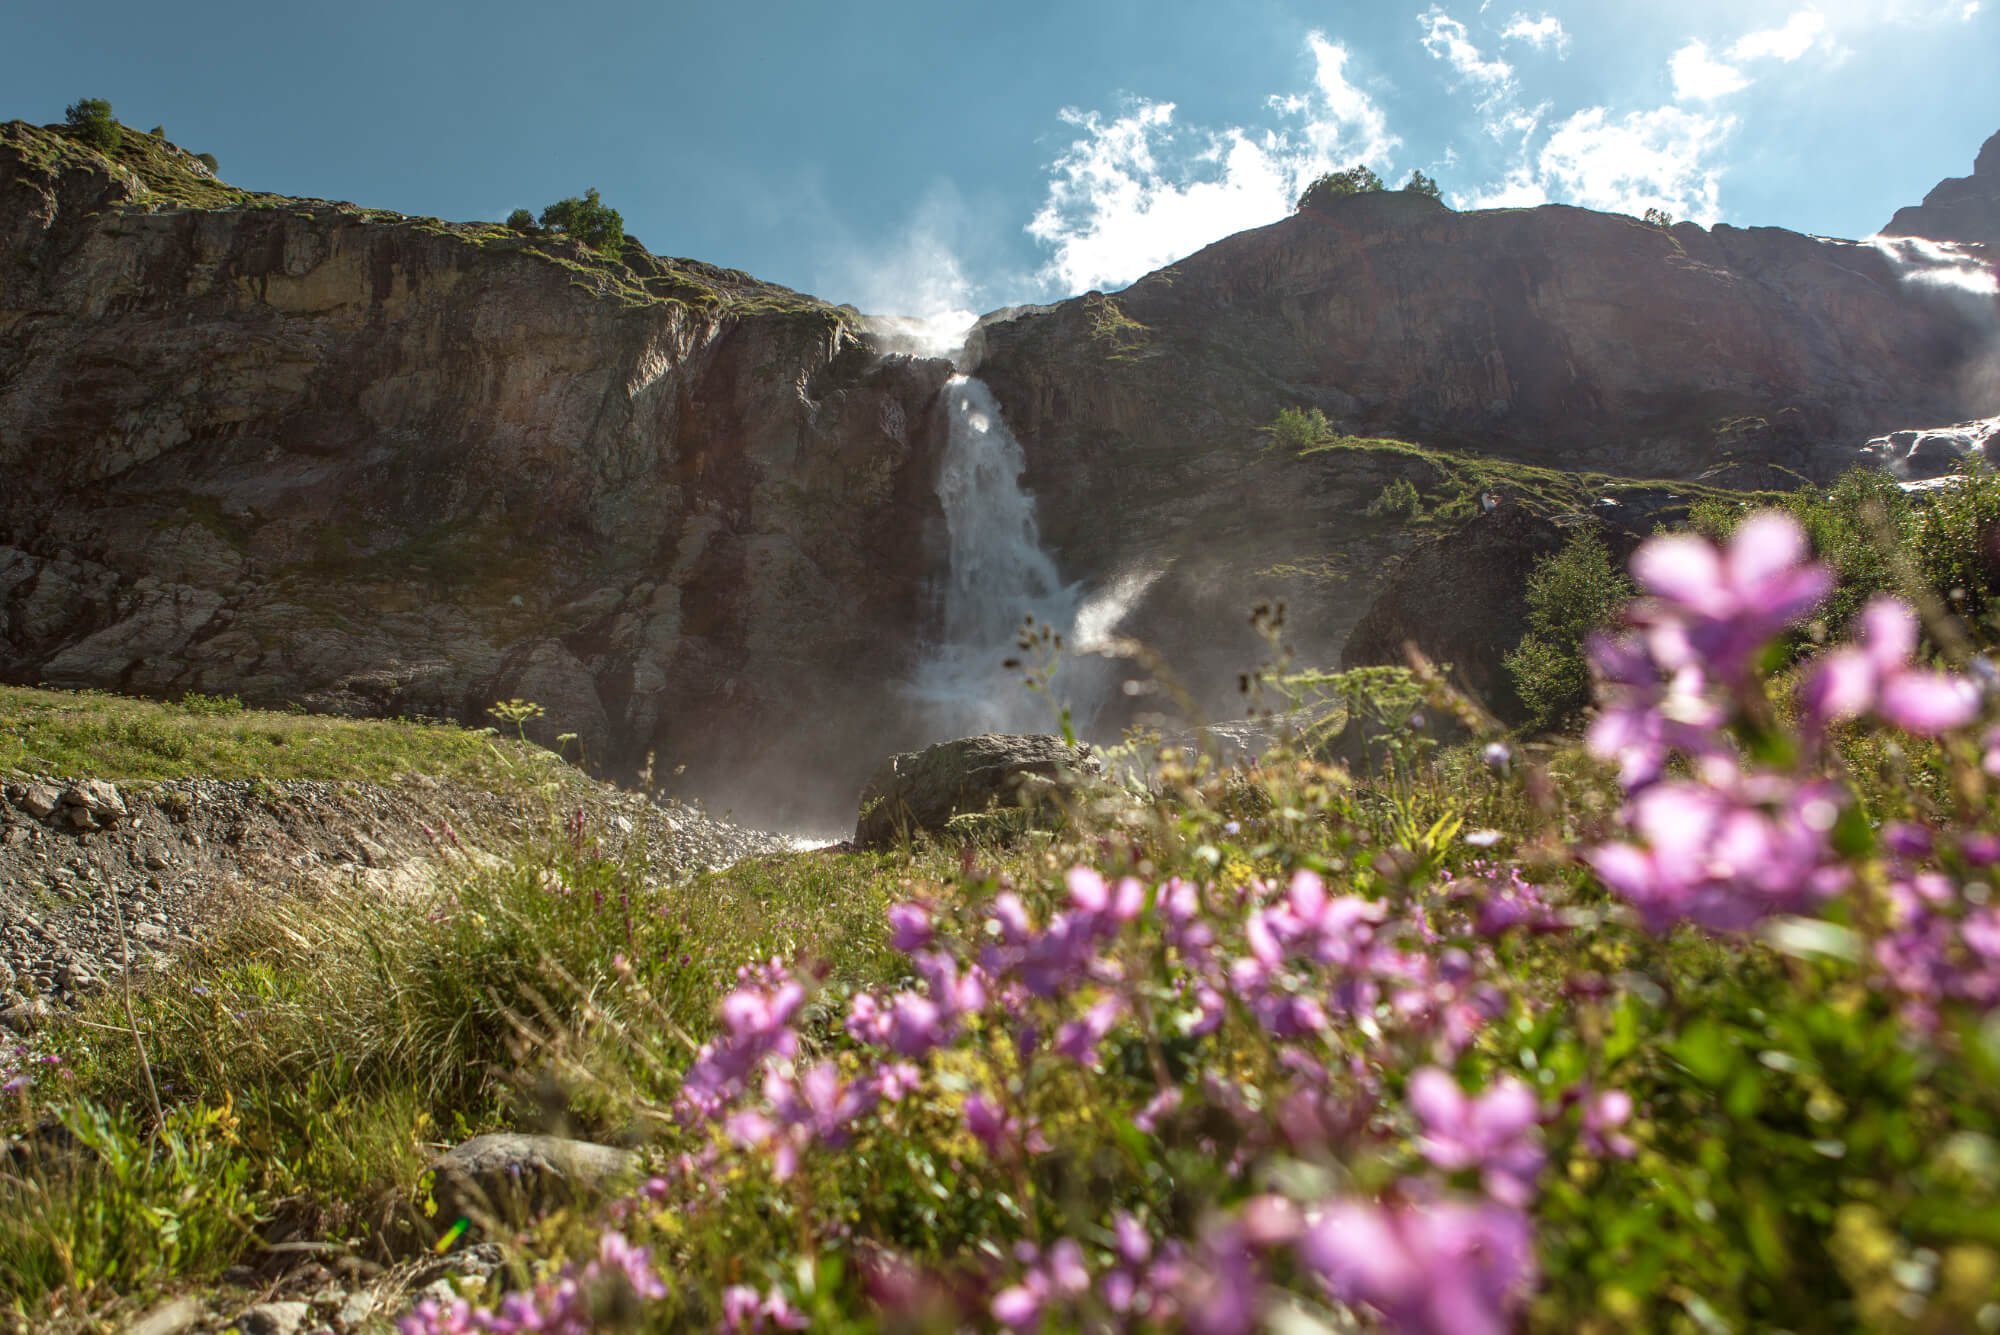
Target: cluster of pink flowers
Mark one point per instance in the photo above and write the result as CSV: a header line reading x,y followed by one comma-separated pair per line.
x,y
572,1303
1733,844
1318,999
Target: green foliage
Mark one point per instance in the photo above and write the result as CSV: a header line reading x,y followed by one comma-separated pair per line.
x,y
91,734
1659,218
91,122
1397,500
1299,429
121,1210
1570,594
588,220
1957,541
209,161
1943,543
1456,480
1420,184
1356,180
158,132
522,221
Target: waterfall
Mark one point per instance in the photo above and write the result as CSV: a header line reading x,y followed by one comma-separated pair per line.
x,y
998,576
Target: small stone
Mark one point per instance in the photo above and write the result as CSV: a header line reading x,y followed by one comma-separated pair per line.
x,y
169,1318
275,1319
40,801
93,805
440,1291
510,1177
357,1308
25,1017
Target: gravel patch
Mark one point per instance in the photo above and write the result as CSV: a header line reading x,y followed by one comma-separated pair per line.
x,y
75,856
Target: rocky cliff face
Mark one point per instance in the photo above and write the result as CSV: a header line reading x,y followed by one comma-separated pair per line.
x,y
1553,336
1962,208
306,453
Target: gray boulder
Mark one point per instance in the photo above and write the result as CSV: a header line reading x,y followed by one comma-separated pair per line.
x,y
511,1178
38,800
922,791
93,805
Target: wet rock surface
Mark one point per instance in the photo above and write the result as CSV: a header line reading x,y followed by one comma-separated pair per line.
x,y
1933,452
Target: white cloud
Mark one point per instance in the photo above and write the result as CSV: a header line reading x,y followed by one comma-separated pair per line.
x,y
1448,40
1699,77
1544,32
1663,158
1521,188
1798,35
1135,192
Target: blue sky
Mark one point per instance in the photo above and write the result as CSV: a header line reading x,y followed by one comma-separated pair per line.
x,y
920,156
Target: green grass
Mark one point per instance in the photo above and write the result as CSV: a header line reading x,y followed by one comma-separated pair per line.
x,y
316,1054
97,735
1456,480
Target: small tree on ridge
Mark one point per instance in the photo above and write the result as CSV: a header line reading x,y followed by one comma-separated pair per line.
x,y
1356,180
90,120
588,219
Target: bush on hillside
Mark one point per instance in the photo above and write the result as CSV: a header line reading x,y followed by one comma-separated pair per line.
x,y
1571,594
91,121
1420,184
209,161
1356,180
1398,500
522,221
588,220
1300,428
1880,539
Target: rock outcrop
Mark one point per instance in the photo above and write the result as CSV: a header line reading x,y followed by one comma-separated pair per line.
x,y
1961,208
1553,336
307,453
1932,452
921,792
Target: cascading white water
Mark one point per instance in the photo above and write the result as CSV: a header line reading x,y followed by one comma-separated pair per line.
x,y
997,578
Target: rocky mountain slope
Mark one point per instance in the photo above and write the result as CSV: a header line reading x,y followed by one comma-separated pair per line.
x,y
307,452
1554,337
304,452
1962,208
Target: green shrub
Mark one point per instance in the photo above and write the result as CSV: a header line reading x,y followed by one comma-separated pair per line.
x,y
1956,541
1300,428
1398,500
1570,594
520,220
1879,539
1356,180
588,220
125,1209
91,121
1420,184
209,161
